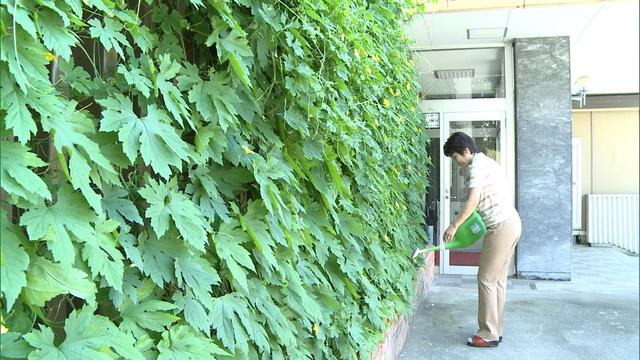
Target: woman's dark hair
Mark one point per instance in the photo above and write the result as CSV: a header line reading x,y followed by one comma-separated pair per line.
x,y
457,142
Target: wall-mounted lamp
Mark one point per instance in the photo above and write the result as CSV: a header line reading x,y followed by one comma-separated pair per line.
x,y
580,87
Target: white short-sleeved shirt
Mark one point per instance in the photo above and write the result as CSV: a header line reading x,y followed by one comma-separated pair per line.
x,y
495,204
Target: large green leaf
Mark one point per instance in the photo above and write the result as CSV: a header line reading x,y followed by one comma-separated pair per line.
x,y
102,255
75,76
142,37
118,206
169,44
253,222
23,18
204,191
16,176
135,77
196,274
235,48
45,280
69,215
228,243
194,311
167,205
71,132
88,336
235,323
211,143
133,287
170,93
296,119
157,141
55,35
26,60
37,95
279,324
151,314
298,298
231,180
157,257
215,99
109,35
170,21
181,342
12,346
265,172
14,261
18,117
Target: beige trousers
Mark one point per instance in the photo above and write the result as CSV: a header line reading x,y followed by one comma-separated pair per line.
x,y
497,250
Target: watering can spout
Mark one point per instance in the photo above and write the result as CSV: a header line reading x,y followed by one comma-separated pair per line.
x,y
471,230
430,248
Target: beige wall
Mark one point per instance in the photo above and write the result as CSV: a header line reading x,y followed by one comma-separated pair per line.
x,y
610,151
615,152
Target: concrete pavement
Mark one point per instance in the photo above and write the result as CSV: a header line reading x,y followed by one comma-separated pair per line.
x,y
593,316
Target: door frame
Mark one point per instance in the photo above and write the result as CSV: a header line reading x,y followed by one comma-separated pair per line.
x,y
472,106
445,170
506,104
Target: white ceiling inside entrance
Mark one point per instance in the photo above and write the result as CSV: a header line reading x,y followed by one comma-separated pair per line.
x,y
604,38
486,81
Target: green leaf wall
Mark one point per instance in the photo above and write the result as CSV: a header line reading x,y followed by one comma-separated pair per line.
x,y
208,178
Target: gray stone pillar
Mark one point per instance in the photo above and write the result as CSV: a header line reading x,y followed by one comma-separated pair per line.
x,y
543,157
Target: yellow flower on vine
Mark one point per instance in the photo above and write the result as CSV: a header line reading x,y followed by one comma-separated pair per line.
x,y
315,328
408,86
386,103
247,150
50,56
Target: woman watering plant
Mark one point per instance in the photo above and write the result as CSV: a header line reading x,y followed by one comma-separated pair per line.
x,y
488,193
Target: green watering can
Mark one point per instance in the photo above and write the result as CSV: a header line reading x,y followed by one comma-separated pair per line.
x,y
471,230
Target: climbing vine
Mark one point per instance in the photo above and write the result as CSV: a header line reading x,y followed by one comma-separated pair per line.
x,y
207,178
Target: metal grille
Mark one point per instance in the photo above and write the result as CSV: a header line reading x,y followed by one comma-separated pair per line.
x,y
613,219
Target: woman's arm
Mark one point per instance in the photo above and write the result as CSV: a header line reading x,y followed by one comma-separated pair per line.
x,y
467,209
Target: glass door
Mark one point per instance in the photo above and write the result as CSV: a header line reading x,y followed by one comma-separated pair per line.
x,y
488,131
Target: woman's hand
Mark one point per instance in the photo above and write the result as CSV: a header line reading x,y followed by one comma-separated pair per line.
x,y
448,234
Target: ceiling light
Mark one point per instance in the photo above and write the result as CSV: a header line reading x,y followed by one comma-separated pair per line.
x,y
487,33
454,74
